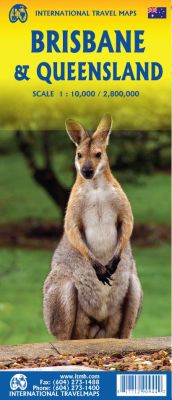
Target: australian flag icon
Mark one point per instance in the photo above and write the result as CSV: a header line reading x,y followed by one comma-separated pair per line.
x,y
157,12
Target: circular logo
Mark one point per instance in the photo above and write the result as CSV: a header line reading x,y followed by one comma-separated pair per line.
x,y
18,13
18,381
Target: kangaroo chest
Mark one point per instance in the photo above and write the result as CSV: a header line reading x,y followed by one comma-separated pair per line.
x,y
99,219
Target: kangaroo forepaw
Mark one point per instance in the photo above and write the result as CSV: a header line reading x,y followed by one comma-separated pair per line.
x,y
105,279
101,272
113,264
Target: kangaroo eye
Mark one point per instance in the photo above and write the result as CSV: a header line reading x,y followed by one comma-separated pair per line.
x,y
98,154
79,155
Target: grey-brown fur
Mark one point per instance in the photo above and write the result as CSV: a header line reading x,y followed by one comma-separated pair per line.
x,y
77,305
94,252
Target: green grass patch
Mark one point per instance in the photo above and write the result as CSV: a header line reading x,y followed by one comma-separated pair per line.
x,y
22,274
154,271
22,198
150,198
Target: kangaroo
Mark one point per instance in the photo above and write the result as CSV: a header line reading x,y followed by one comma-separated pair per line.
x,y
93,290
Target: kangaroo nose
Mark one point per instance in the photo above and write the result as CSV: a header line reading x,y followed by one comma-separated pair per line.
x,y
87,171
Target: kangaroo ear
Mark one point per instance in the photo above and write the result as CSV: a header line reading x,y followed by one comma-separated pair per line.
x,y
75,131
103,130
